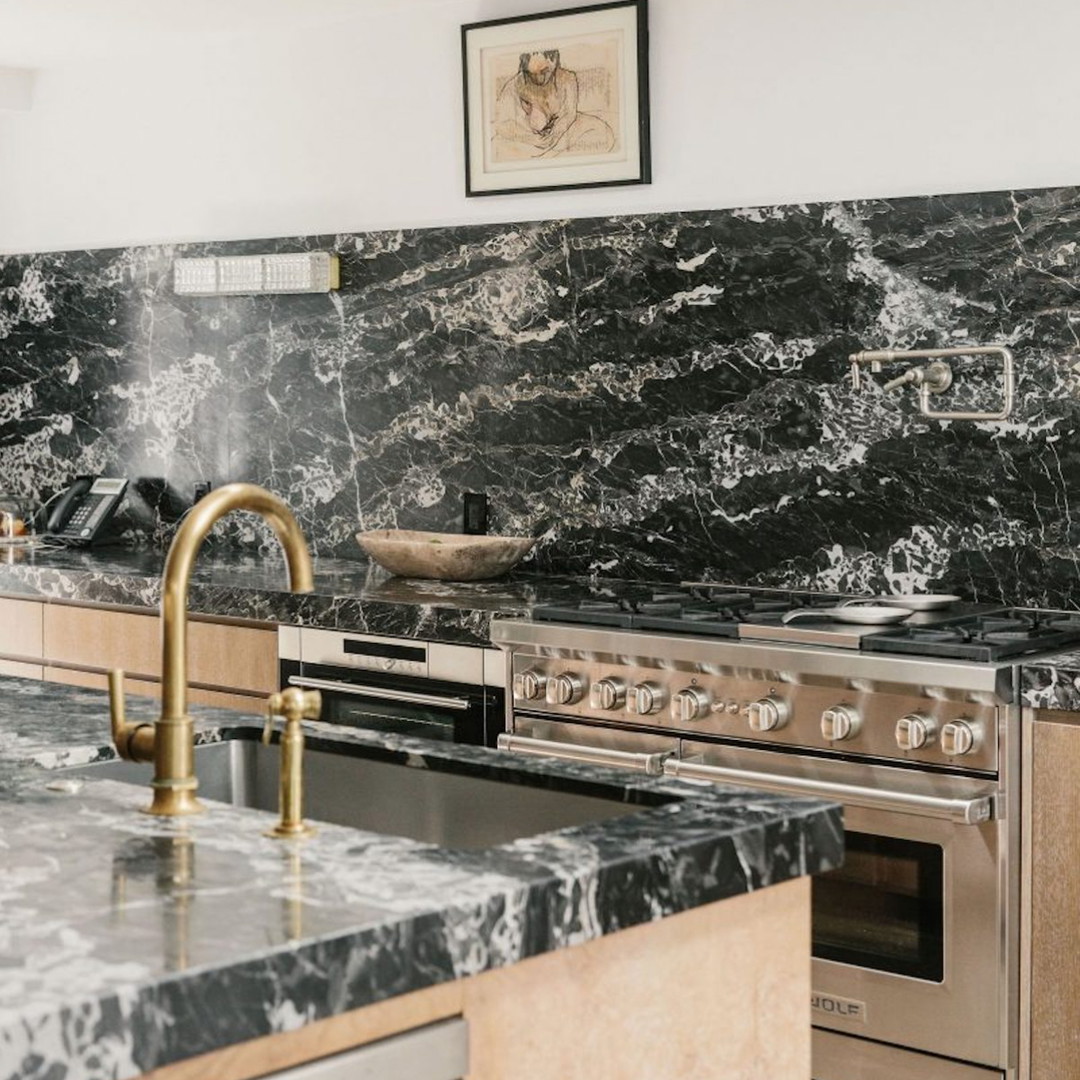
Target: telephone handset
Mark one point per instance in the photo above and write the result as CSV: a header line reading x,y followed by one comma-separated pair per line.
x,y
85,508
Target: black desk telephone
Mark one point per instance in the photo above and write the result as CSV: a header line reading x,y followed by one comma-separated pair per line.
x,y
83,511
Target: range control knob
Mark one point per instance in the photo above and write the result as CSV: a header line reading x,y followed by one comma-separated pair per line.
x,y
840,722
529,685
564,689
915,731
958,737
646,698
608,694
768,714
690,704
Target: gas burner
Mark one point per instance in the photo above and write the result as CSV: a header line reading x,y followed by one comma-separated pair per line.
x,y
985,638
982,633
698,610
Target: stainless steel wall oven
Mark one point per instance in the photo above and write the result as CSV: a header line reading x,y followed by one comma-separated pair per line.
x,y
450,693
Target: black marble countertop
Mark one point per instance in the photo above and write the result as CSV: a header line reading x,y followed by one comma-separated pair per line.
x,y
357,595
349,594
129,942
1052,682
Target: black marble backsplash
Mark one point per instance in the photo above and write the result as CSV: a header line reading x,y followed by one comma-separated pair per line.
x,y
660,396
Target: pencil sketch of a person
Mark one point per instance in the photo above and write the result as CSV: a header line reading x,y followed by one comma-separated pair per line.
x,y
537,113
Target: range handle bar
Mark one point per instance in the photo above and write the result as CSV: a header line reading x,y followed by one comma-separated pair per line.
x,y
974,811
650,764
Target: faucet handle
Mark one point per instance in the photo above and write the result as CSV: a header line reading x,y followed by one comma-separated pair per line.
x,y
912,375
294,704
268,727
133,741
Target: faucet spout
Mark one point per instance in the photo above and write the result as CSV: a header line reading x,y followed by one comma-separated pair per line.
x,y
173,744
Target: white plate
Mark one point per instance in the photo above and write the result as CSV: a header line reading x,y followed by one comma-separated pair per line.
x,y
865,614
922,601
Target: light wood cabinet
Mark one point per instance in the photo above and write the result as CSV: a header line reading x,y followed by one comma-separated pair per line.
x,y
99,680
228,665
719,991
20,628
1055,896
239,658
21,669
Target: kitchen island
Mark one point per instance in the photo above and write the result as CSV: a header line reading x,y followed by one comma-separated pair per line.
x,y
133,944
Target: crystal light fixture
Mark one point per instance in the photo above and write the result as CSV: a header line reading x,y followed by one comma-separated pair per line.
x,y
238,275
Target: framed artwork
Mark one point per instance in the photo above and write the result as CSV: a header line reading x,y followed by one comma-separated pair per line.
x,y
557,100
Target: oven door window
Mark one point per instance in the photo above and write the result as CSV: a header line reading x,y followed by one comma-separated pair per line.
x,y
884,909
421,720
402,704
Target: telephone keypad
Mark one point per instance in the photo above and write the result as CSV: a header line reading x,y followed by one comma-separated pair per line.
x,y
84,517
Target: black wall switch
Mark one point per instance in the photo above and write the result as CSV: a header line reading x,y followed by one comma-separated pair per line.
x,y
475,514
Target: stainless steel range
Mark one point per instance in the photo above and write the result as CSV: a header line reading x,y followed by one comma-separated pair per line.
x,y
914,728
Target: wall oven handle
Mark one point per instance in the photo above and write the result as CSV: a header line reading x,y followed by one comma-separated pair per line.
x,y
960,811
650,764
405,697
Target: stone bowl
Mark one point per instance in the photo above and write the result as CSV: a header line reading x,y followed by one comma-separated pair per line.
x,y
444,556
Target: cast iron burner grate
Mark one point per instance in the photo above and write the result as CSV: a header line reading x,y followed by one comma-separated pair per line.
x,y
712,611
983,638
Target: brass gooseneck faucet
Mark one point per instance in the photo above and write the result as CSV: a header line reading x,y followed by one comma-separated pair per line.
x,y
169,742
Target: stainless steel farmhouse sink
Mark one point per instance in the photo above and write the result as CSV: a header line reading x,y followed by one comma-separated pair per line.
x,y
441,808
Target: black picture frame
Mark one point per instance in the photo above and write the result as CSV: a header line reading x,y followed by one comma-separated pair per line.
x,y
583,139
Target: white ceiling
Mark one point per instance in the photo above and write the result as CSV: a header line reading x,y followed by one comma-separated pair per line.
x,y
40,33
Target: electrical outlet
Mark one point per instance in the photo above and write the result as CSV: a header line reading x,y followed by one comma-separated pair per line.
x,y
474,513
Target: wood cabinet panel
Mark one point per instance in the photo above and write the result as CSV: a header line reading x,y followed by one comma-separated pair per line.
x,y
249,703
20,628
93,638
238,657
18,668
1055,900
98,680
272,1053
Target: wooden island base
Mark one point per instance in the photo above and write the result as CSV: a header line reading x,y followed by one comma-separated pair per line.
x,y
721,991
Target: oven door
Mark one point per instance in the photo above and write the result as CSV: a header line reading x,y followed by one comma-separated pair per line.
x,y
400,704
909,936
536,736
838,1057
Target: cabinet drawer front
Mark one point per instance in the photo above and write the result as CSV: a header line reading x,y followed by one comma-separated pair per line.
x,y
236,657
436,1052
20,628
98,680
23,671
239,657
91,637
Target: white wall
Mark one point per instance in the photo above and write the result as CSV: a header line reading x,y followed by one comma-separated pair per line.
x,y
351,120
